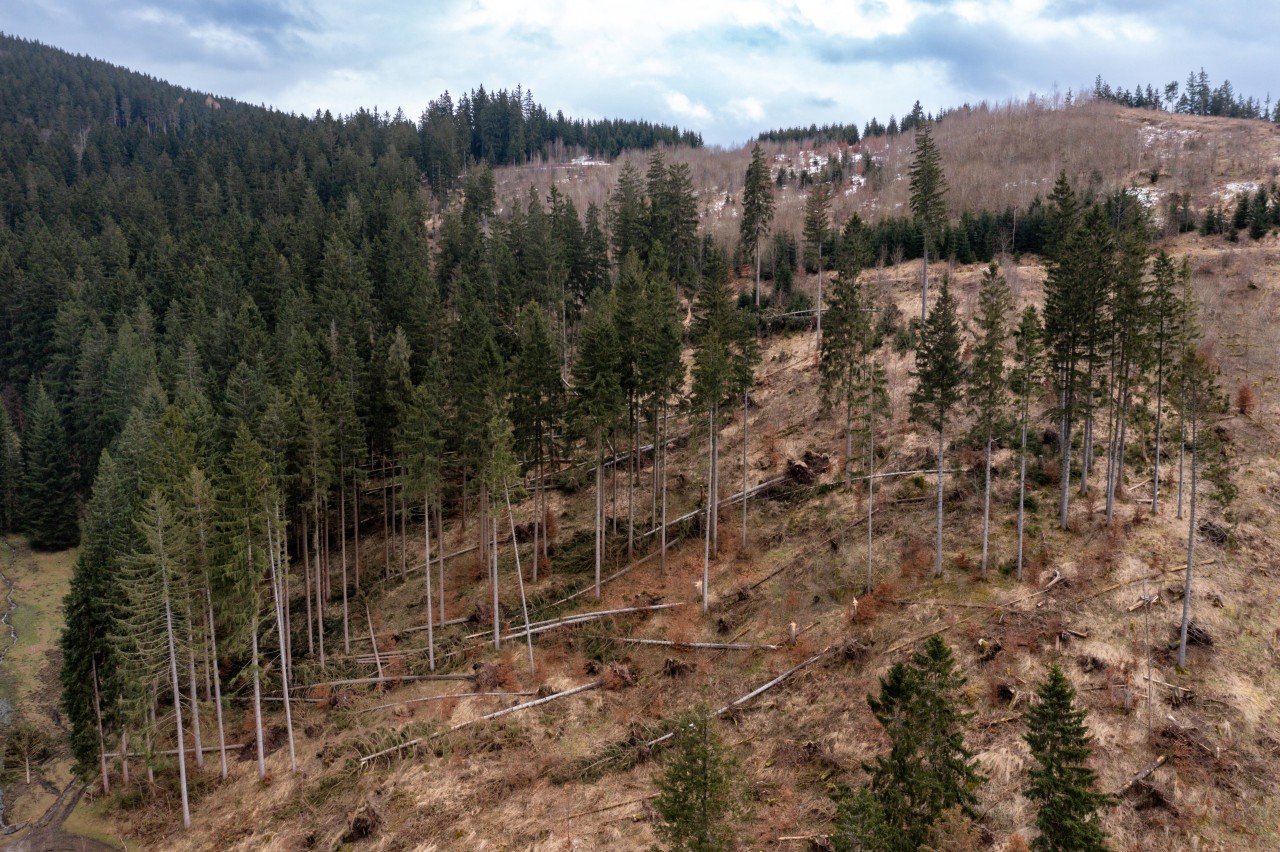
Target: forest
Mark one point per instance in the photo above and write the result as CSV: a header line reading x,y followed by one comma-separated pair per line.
x,y
236,341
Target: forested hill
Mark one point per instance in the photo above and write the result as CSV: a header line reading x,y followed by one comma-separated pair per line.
x,y
72,102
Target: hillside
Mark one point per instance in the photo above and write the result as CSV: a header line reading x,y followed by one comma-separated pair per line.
x,y
305,340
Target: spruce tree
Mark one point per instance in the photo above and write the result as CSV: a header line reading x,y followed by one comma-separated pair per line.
x,y
10,473
90,670
757,208
599,403
1062,785
940,377
928,186
987,389
49,489
698,798
817,213
1024,379
725,355
1167,314
845,346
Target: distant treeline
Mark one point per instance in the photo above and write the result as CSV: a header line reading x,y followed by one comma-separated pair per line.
x,y
1195,97
50,91
848,133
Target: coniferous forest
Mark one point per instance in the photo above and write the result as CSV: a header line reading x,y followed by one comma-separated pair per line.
x,y
273,373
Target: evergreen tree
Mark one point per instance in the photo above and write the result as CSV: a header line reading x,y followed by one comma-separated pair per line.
x,y
757,208
927,770
600,403
987,390
725,355
928,186
662,374
940,377
50,509
1166,319
89,674
845,348
817,212
10,473
1062,785
698,798
1024,378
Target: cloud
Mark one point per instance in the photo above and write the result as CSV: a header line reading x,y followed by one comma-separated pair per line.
x,y
746,109
680,104
726,69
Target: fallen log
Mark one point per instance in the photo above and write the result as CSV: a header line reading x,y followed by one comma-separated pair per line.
x,y
365,680
595,684
699,646
1143,775
443,697
752,694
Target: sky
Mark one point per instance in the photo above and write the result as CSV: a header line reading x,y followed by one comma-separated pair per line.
x,y
725,69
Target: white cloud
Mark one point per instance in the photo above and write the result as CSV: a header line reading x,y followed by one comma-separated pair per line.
x,y
746,109
680,104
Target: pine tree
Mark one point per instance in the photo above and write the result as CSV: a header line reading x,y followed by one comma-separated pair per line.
x,y
600,402
10,473
90,679
1166,319
928,186
1024,381
845,347
698,798
817,212
987,390
1062,785
49,489
927,770
940,376
1200,400
152,627
725,355
757,208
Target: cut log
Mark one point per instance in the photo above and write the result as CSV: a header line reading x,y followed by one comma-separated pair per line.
x,y
1143,775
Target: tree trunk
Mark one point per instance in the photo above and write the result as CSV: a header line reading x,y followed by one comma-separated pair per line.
x,y
599,508
924,282
817,348
124,756
1155,477
1182,455
1022,485
386,530
217,681
342,555
102,740
195,697
440,527
257,699
937,565
1064,444
524,602
986,509
315,533
426,553
355,526
744,470
273,558
497,638
1191,549
663,558
871,470
715,481
306,583
633,473
711,478
177,693
757,271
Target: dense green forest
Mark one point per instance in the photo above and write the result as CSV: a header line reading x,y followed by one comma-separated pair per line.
x,y
224,327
